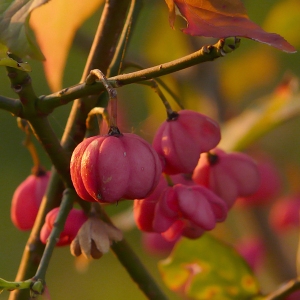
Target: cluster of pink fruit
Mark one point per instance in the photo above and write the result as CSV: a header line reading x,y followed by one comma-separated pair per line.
x,y
118,166
180,206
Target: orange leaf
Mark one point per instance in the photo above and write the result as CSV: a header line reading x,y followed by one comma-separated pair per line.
x,y
221,19
55,24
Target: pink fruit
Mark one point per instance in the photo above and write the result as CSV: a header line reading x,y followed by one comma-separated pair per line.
x,y
183,227
74,221
284,213
108,168
174,232
27,199
182,138
179,210
143,209
228,175
196,204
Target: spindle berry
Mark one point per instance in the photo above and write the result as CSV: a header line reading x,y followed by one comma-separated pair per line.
x,y
75,220
144,209
27,199
183,137
114,166
228,175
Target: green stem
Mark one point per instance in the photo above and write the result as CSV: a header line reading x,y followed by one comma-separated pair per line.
x,y
134,267
13,106
137,271
158,80
132,16
66,205
171,93
153,84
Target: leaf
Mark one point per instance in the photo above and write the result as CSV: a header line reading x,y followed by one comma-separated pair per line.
x,y
14,30
12,285
221,19
9,62
60,20
208,269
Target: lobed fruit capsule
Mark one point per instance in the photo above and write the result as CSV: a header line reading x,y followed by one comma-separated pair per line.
x,y
228,175
75,220
196,204
108,168
27,199
183,137
179,210
144,209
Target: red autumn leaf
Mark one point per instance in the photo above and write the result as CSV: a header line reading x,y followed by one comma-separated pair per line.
x,y
221,19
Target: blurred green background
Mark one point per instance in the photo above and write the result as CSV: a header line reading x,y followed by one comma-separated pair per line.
x,y
220,89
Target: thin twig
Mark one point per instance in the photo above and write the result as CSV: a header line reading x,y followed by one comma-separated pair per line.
x,y
116,64
152,83
68,198
135,268
13,106
207,53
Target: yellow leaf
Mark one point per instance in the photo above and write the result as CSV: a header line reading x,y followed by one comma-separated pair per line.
x,y
55,24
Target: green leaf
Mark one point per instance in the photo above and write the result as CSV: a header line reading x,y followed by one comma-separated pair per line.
x,y
15,33
9,62
208,269
12,285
